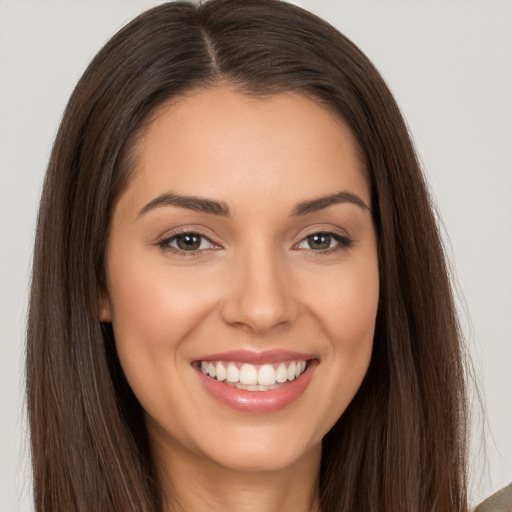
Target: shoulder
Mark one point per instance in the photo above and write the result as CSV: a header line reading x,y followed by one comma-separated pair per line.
x,y
499,502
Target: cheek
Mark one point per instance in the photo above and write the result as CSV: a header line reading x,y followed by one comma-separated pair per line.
x,y
346,305
354,306
153,309
347,308
353,333
155,301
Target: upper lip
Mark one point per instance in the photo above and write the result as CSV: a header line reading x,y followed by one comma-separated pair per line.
x,y
257,357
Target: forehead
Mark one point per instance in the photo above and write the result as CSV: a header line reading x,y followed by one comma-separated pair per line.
x,y
219,142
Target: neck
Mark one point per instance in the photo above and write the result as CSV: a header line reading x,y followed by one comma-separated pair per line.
x,y
192,483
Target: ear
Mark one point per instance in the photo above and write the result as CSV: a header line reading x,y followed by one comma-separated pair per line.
x,y
105,310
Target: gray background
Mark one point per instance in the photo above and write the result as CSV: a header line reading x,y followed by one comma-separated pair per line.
x,y
449,63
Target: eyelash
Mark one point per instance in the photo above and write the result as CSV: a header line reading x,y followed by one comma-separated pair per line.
x,y
343,243
165,244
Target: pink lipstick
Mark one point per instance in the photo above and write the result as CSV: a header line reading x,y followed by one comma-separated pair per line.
x,y
256,382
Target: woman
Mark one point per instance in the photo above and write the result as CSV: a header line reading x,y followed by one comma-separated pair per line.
x,y
239,298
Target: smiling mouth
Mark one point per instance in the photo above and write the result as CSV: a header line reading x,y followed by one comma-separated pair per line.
x,y
251,377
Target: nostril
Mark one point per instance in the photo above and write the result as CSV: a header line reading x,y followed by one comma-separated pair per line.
x,y
259,315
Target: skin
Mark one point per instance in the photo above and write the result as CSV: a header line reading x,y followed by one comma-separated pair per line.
x,y
259,284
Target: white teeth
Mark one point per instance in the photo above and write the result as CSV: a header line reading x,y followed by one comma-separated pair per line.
x,y
220,371
281,373
266,375
232,373
291,371
255,387
248,375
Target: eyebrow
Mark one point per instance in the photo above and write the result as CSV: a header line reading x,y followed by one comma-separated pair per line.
x,y
198,204
220,208
319,203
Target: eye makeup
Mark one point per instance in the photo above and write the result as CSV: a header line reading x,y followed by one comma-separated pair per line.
x,y
191,243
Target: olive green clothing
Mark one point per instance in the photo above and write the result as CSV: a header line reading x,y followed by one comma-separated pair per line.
x,y
499,502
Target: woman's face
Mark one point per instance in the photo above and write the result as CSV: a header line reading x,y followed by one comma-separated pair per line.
x,y
242,277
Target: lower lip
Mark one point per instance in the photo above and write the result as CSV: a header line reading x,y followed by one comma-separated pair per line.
x,y
258,401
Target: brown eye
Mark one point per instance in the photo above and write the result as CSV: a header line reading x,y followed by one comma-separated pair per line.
x,y
324,242
186,242
319,241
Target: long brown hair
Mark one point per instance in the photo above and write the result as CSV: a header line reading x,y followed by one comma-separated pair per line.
x,y
400,445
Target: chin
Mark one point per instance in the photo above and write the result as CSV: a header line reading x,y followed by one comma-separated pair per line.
x,y
262,452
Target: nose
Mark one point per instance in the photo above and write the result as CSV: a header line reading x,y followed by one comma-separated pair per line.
x,y
260,295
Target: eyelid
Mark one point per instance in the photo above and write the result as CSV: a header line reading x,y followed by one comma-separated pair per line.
x,y
174,238
344,241
184,229
164,242
341,236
